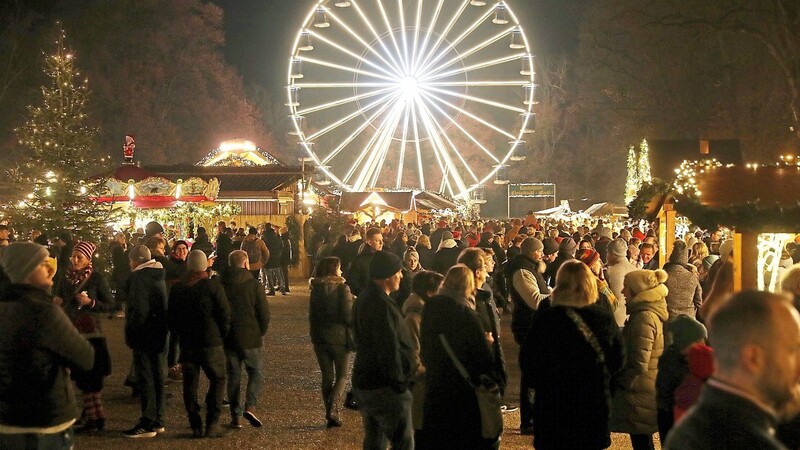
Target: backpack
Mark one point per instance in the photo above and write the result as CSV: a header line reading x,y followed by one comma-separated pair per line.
x,y
253,252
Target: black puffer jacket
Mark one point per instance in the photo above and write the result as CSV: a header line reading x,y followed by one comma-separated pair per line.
x,y
330,312
37,343
249,310
199,314
146,314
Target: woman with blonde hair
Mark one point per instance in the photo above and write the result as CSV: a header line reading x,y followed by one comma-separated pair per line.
x,y
425,252
699,252
451,417
569,356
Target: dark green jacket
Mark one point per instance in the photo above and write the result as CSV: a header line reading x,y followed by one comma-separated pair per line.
x,y
249,310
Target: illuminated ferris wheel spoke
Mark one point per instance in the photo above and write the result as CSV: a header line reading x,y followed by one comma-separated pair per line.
x,y
462,56
476,83
474,117
357,132
416,33
366,45
347,118
443,34
383,148
375,137
431,125
403,148
353,54
427,62
427,37
343,85
458,154
377,149
344,101
346,68
390,31
397,66
406,58
484,101
467,134
478,66
417,121
417,147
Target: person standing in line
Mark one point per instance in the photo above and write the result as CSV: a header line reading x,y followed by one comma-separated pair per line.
x,y
200,316
330,317
384,359
249,323
38,345
257,252
146,335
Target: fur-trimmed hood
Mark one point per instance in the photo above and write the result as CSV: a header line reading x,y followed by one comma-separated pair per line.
x,y
654,299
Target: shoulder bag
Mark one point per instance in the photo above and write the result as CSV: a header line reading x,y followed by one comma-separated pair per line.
x,y
595,344
488,394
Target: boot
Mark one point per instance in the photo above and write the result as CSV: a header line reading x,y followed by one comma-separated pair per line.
x,y
197,425
333,412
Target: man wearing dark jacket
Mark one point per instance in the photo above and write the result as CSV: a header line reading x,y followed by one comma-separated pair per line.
x,y
566,252
38,344
224,245
249,322
358,278
286,258
146,335
272,267
437,234
447,254
384,355
200,315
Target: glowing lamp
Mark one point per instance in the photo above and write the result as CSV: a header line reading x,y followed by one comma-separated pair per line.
x,y
477,3
342,4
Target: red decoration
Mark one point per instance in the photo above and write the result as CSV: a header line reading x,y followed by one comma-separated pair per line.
x,y
127,149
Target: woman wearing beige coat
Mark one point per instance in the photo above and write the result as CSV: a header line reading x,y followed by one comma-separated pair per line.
x,y
634,405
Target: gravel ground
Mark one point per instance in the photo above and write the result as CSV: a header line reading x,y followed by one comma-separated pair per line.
x,y
290,405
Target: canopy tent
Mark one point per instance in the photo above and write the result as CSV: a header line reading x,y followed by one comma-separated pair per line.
x,y
605,209
562,210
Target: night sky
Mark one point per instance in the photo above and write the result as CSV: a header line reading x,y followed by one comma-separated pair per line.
x,y
260,33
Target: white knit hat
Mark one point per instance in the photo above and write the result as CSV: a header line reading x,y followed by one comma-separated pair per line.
x,y
644,280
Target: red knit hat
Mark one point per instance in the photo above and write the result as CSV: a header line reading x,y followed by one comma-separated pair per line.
x,y
85,248
588,256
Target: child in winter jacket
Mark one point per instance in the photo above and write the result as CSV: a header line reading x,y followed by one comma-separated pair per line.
x,y
90,382
701,367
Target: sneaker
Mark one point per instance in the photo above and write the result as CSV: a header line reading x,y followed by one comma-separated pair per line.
x,y
509,408
140,431
158,427
226,402
251,417
235,423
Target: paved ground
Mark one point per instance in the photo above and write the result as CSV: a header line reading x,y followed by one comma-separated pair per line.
x,y
290,405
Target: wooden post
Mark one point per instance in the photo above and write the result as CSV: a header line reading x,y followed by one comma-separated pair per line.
x,y
745,261
301,271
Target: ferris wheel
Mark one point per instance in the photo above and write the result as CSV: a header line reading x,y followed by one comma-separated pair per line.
x,y
412,94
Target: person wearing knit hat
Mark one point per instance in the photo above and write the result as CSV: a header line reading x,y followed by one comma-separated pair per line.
x,y
139,254
83,290
39,347
550,248
618,266
566,252
153,229
447,254
588,256
199,314
673,367
685,294
726,249
634,407
591,258
382,371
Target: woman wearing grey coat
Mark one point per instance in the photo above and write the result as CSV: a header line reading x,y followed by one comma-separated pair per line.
x,y
685,293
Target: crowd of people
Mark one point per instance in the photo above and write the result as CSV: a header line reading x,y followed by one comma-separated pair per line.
x,y
608,341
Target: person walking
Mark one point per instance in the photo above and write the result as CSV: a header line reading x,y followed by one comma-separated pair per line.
x,y
634,407
146,335
330,316
38,346
384,358
572,351
199,314
249,322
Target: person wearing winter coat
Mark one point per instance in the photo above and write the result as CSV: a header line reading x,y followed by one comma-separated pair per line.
x,y
425,251
451,417
257,252
570,379
358,277
84,291
425,286
224,246
566,252
272,267
618,267
249,323
634,405
447,254
38,346
199,314
90,382
286,258
685,294
673,367
411,268
701,367
330,315
146,335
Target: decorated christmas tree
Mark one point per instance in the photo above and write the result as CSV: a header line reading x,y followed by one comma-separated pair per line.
x,y
57,179
632,181
644,163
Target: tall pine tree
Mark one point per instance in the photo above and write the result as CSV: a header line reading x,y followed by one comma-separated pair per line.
x,y
57,179
632,181
644,163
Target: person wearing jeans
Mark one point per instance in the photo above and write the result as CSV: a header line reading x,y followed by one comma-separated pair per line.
x,y
249,323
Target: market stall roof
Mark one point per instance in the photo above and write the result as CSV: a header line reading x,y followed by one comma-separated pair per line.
x,y
397,201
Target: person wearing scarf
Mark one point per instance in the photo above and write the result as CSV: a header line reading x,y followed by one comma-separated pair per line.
x,y
591,258
82,290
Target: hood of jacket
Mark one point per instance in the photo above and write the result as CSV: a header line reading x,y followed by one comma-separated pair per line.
x,y
654,300
414,303
152,264
448,243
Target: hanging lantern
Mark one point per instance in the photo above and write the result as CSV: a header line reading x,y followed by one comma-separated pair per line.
x,y
478,194
342,4
527,65
321,176
500,14
298,120
297,69
527,122
477,3
530,91
321,18
305,44
294,98
517,40
519,151
501,176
